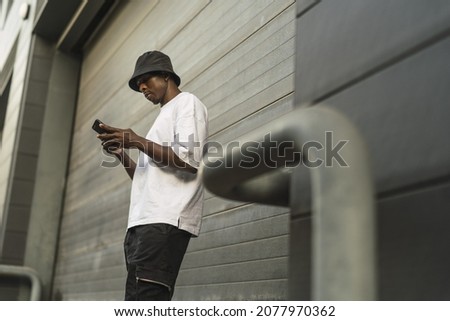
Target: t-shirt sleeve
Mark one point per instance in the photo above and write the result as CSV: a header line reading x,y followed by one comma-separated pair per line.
x,y
190,131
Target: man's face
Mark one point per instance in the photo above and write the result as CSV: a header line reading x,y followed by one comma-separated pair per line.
x,y
153,86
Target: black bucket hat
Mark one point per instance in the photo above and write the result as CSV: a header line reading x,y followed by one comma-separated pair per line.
x,y
149,62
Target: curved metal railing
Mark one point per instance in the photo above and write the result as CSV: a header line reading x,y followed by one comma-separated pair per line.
x,y
25,273
343,250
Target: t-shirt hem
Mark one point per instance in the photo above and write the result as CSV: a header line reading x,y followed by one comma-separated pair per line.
x,y
188,228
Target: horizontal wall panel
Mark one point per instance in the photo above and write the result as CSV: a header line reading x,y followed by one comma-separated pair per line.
x,y
229,30
246,232
256,290
249,251
366,33
93,261
244,214
274,268
403,114
92,296
413,244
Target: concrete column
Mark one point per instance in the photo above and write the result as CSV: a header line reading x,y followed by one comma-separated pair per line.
x,y
51,168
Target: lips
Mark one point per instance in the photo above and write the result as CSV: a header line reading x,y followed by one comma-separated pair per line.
x,y
147,95
151,97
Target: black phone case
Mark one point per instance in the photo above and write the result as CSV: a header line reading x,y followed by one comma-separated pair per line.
x,y
97,128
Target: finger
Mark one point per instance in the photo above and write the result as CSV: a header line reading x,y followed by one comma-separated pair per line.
x,y
112,142
108,128
106,137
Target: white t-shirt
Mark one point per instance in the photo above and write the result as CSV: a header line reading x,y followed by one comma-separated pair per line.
x,y
163,194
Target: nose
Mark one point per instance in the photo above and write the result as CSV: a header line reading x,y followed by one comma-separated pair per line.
x,y
142,87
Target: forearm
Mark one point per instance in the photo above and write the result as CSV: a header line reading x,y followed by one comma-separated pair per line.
x,y
162,154
128,164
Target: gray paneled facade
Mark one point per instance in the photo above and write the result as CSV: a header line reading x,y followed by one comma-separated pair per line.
x,y
238,58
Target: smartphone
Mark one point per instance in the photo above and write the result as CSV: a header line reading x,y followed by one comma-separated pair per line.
x,y
97,128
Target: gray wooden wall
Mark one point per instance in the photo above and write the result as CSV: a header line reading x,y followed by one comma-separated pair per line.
x,y
238,58
386,65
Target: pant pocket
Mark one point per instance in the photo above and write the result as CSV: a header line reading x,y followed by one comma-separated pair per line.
x,y
156,276
149,290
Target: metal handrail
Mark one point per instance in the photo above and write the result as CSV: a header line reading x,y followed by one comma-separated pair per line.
x,y
27,273
343,250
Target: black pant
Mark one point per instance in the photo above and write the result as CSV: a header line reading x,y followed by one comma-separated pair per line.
x,y
140,290
153,255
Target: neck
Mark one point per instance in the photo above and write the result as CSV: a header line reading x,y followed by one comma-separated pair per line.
x,y
171,92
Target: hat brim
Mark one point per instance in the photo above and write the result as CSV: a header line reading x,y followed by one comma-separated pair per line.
x,y
142,71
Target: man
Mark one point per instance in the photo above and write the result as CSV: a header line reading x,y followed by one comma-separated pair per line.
x,y
166,196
